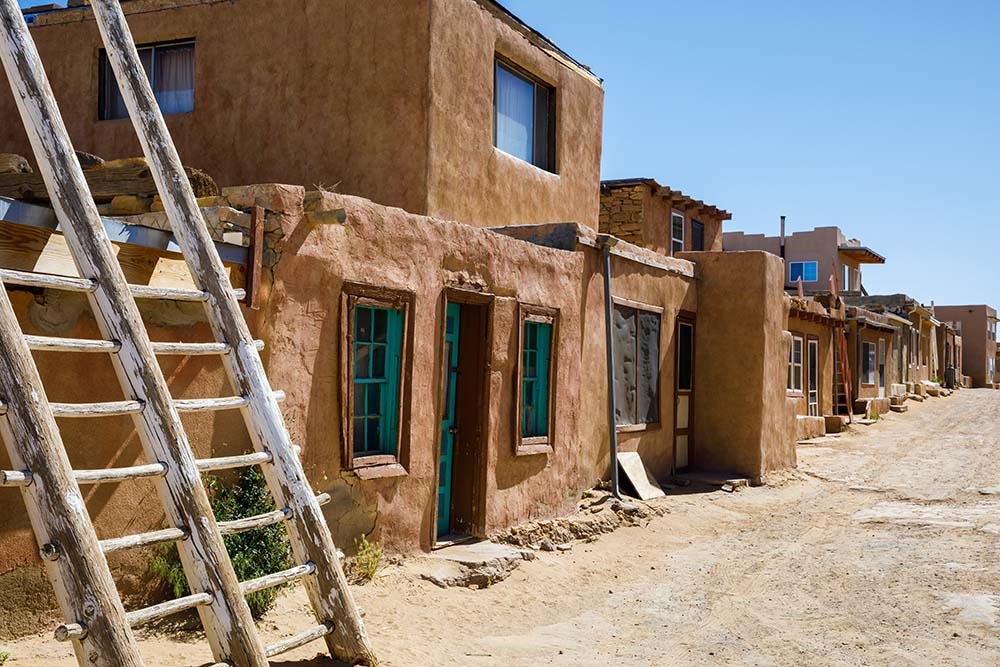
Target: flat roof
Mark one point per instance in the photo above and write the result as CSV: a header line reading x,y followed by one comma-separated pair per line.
x,y
668,193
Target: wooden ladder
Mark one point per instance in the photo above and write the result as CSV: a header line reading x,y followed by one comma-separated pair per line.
x,y
842,402
95,619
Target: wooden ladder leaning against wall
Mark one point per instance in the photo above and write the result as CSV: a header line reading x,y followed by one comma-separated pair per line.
x,y
843,403
95,619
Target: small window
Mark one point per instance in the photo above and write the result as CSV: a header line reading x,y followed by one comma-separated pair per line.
x,y
170,68
867,363
676,233
373,357
795,364
524,116
806,270
697,235
535,379
637,364
685,356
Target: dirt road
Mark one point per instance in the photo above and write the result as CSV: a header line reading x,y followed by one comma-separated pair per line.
x,y
884,549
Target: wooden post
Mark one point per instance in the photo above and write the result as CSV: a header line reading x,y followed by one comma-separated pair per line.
x,y
255,267
310,536
77,568
227,621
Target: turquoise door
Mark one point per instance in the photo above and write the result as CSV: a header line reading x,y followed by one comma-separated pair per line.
x,y
448,420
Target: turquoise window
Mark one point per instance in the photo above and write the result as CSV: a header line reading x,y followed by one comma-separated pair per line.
x,y
535,366
377,348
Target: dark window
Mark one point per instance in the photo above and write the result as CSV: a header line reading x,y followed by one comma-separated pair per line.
x,y
637,365
170,68
697,235
524,117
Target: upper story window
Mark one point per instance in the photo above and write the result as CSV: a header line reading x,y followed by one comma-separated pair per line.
x,y
170,68
697,235
676,233
807,271
524,116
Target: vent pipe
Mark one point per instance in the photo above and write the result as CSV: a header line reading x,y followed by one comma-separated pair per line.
x,y
782,237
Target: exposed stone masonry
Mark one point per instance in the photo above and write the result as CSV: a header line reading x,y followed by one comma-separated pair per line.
x,y
621,212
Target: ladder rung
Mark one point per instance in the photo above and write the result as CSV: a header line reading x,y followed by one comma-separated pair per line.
x,y
277,579
230,462
143,539
254,522
28,279
58,344
225,403
197,349
15,478
120,474
96,409
164,609
301,639
176,293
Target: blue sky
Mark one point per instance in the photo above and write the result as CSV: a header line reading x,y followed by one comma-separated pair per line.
x,y
880,117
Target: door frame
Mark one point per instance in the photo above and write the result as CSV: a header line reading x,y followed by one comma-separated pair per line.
x,y
687,318
881,366
485,300
812,355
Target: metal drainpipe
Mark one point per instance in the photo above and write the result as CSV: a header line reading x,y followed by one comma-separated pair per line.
x,y
605,243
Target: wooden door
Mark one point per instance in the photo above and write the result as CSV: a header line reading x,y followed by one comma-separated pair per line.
x,y
448,429
881,368
812,386
684,395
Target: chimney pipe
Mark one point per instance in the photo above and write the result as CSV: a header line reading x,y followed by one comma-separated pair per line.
x,y
782,237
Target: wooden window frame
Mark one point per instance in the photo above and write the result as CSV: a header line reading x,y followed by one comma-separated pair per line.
x,y
674,239
380,465
550,139
105,75
638,305
528,446
791,390
874,365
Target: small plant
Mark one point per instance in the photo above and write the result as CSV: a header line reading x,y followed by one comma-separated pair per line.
x,y
367,562
873,415
254,553
4,657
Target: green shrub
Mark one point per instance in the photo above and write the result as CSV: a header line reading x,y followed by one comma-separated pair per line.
x,y
4,657
367,562
254,553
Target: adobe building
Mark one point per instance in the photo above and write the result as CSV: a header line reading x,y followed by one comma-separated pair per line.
x,y
870,347
813,256
442,376
394,102
979,340
641,211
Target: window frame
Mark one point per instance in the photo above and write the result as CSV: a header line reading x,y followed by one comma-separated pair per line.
x,y
790,387
541,444
869,358
657,310
812,407
552,156
674,239
803,264
105,75
379,465
699,226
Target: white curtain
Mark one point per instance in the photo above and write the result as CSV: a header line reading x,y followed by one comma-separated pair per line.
x,y
173,80
515,114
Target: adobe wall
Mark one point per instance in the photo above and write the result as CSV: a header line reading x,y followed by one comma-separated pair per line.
x,y
332,92
743,423
977,349
822,333
858,334
116,509
390,248
497,189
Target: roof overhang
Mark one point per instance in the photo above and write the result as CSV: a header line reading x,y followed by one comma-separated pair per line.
x,y
861,254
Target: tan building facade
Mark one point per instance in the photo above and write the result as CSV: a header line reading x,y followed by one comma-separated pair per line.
x,y
395,102
979,340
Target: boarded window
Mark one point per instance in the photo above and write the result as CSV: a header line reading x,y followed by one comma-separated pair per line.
x,y
637,365
697,235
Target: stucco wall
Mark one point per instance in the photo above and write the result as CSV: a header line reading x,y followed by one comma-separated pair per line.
x,y
743,423
470,180
823,334
977,347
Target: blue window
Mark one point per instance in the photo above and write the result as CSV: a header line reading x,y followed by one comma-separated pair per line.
x,y
807,271
535,377
523,117
376,360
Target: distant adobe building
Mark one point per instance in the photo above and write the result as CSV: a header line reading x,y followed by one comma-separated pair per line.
x,y
979,340
455,110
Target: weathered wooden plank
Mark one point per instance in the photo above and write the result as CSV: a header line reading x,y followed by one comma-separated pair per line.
x,y
15,478
111,475
59,344
254,522
109,409
169,608
29,279
311,541
231,462
118,177
79,573
255,264
143,539
227,621
212,404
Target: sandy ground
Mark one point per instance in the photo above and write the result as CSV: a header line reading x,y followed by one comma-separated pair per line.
x,y
883,549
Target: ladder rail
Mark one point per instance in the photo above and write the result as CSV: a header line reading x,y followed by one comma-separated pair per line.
x,y
82,581
227,622
309,535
